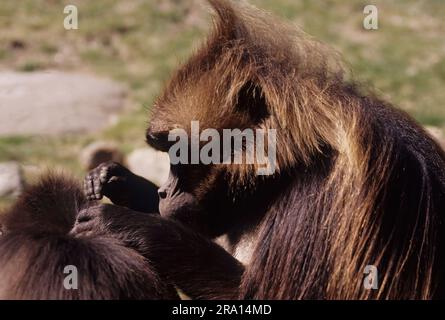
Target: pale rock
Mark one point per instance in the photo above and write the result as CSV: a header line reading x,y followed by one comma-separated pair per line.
x,y
150,164
54,102
437,134
11,179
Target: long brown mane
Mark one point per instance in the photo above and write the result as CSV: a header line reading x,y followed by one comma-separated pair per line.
x,y
361,183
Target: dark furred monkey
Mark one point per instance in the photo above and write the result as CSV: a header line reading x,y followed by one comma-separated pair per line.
x,y
36,246
357,182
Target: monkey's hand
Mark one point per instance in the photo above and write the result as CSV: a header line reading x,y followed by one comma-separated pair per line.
x,y
94,220
112,220
108,179
198,266
122,187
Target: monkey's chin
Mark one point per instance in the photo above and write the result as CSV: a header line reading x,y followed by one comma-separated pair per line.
x,y
178,206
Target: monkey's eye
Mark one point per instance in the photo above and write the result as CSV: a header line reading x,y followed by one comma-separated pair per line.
x,y
158,140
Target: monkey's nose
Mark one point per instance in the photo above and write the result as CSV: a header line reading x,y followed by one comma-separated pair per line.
x,y
162,193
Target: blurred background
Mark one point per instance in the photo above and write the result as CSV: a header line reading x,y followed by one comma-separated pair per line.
x,y
70,98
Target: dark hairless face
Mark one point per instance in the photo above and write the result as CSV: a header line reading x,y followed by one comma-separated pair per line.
x,y
195,194
174,198
179,195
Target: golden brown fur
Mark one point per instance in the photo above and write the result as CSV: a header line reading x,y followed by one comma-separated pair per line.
x,y
358,182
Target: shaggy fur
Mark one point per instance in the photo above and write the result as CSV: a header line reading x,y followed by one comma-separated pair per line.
x,y
358,182
36,246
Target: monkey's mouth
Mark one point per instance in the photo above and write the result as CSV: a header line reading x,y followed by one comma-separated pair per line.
x,y
177,204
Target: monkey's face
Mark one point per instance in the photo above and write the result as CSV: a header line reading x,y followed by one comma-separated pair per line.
x,y
185,195
195,194
175,198
218,89
200,190
179,194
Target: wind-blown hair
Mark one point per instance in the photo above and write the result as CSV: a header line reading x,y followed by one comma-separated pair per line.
x,y
360,183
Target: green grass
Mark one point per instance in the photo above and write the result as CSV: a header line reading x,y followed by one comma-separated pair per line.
x,y
47,152
139,43
30,66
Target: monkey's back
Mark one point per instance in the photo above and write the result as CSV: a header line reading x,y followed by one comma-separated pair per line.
x,y
40,259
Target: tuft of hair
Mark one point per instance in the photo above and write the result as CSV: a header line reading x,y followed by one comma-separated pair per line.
x,y
51,205
39,259
256,69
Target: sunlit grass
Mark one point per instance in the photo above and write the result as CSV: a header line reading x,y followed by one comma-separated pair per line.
x,y
139,43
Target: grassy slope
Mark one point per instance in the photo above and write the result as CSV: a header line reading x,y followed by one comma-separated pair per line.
x,y
140,42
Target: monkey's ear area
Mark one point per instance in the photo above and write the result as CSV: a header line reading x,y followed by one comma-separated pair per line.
x,y
229,24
